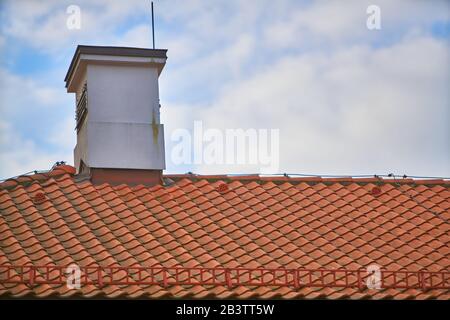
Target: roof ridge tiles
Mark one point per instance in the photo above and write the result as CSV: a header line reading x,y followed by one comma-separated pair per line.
x,y
293,178
38,176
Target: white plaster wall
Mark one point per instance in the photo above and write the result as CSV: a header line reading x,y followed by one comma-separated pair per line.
x,y
123,93
126,145
122,129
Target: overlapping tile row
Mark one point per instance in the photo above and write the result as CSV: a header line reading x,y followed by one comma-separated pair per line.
x,y
219,221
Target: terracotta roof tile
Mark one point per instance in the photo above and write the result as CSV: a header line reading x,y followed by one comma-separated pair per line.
x,y
268,222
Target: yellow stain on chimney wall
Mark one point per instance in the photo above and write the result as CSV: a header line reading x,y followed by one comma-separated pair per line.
x,y
155,128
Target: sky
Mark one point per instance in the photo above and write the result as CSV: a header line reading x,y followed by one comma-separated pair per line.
x,y
346,100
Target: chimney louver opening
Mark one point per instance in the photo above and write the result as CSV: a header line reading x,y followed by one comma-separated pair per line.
x,y
81,108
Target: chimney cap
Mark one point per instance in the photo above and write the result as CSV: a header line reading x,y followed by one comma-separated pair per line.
x,y
160,54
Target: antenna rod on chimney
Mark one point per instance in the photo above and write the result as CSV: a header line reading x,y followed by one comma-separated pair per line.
x,y
153,28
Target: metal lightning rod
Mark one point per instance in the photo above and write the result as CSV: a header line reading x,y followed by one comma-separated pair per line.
x,y
153,28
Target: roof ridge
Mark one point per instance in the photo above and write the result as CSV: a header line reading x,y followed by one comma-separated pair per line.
x,y
312,178
61,170
39,177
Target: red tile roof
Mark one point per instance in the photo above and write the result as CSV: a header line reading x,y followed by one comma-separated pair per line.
x,y
300,226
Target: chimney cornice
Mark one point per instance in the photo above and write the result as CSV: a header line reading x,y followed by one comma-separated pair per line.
x,y
111,51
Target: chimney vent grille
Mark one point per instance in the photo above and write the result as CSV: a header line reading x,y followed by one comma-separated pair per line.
x,y
81,110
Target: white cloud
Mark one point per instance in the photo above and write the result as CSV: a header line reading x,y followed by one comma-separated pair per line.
x,y
356,110
19,154
25,103
20,94
342,105
43,24
338,23
64,135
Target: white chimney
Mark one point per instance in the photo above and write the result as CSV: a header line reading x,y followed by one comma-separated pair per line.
x,y
119,135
